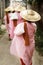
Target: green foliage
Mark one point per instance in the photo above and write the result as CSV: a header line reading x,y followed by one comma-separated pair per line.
x,y
25,1
2,31
39,39
29,1
33,2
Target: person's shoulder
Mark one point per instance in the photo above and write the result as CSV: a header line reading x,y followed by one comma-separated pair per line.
x,y
35,26
19,29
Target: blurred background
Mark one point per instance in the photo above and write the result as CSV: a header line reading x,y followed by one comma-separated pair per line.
x,y
36,5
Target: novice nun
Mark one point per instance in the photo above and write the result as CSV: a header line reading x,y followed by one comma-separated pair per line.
x,y
23,43
7,16
13,20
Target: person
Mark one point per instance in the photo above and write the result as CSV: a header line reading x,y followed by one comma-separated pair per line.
x,y
23,43
8,22
14,13
13,20
18,9
10,26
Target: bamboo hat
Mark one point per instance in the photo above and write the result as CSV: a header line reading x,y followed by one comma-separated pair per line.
x,y
20,8
10,8
30,15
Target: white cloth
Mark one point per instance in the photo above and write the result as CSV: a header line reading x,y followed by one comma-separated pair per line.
x,y
19,29
14,16
35,26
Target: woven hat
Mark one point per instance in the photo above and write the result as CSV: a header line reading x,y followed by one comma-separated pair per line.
x,y
20,8
30,15
10,8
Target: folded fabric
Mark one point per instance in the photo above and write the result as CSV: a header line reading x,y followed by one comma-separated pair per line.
x,y
14,16
19,29
35,26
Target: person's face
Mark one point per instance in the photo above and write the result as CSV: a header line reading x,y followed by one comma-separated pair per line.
x,y
15,22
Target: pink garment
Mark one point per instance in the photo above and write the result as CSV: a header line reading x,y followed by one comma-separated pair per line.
x,y
11,29
11,26
19,18
7,25
19,49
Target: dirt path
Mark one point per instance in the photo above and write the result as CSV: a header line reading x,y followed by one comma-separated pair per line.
x,y
7,59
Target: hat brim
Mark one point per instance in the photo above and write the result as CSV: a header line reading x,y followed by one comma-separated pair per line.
x,y
9,9
20,8
36,17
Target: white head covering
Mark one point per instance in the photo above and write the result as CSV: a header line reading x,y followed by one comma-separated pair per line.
x,y
14,16
19,29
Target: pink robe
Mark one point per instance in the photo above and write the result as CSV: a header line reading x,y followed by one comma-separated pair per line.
x,y
11,29
11,26
20,20
19,49
7,25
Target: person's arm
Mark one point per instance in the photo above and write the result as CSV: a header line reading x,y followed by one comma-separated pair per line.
x,y
25,35
31,46
7,19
